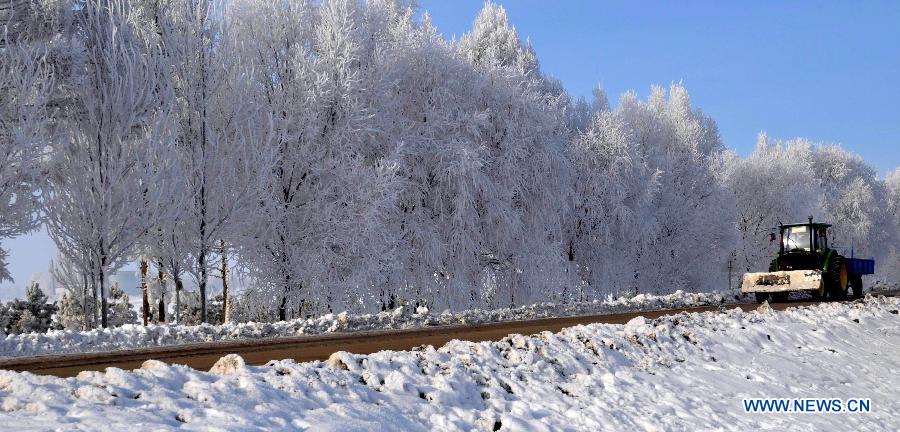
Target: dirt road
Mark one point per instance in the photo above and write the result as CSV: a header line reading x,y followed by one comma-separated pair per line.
x,y
202,356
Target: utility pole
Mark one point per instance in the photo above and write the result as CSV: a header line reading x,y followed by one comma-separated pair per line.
x,y
730,268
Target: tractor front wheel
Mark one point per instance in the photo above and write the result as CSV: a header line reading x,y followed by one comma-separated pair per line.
x,y
857,286
819,294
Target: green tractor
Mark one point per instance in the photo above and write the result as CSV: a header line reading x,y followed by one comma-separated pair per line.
x,y
806,262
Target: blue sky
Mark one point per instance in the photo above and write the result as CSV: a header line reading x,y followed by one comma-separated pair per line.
x,y
827,71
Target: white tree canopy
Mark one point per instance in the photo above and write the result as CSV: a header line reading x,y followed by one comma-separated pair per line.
x,y
113,155
26,87
221,140
348,157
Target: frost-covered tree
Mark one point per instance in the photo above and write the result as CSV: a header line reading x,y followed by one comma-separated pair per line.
x,y
892,211
27,82
892,182
477,220
851,200
70,315
693,211
171,256
222,156
77,308
106,185
494,43
320,239
581,112
775,184
614,190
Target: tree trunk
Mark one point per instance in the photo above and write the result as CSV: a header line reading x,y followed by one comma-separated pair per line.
x,y
145,303
201,256
95,302
225,317
104,306
162,309
202,197
178,287
162,294
84,302
201,261
95,297
286,277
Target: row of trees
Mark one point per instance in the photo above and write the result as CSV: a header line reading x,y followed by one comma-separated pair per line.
x,y
344,156
37,313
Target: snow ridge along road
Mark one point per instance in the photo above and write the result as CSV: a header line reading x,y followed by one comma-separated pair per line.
x,y
133,336
202,356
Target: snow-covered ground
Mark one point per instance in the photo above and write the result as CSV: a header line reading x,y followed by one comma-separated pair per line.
x,y
138,336
680,372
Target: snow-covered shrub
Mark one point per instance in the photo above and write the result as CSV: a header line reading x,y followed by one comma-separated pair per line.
x,y
71,314
5,317
189,314
254,305
34,314
121,311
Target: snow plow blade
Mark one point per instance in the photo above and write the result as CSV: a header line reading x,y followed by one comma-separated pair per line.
x,y
782,281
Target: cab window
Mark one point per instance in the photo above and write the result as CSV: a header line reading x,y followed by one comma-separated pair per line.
x,y
821,239
797,238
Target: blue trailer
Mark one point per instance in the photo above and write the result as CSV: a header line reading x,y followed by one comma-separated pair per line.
x,y
857,266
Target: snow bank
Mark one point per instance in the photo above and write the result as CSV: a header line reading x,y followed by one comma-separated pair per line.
x,y
138,336
680,372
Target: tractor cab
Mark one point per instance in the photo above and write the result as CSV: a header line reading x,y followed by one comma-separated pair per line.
x,y
802,246
804,238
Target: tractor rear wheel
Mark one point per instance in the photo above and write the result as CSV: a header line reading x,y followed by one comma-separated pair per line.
x,y
761,297
837,278
857,286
